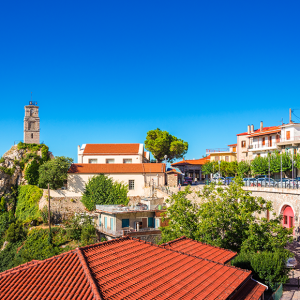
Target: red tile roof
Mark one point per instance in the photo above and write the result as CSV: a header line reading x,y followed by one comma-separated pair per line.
x,y
117,168
252,290
265,132
200,161
115,149
59,277
197,249
232,145
173,171
124,268
259,131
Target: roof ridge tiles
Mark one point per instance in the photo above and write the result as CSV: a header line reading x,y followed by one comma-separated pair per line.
x,y
88,275
33,263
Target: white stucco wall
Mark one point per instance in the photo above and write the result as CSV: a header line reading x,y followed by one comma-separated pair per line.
x,y
101,159
76,182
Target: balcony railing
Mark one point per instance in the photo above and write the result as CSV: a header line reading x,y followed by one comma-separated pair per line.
x,y
284,139
217,150
260,145
118,233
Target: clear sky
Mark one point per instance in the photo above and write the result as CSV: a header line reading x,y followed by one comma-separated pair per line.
x,y
109,71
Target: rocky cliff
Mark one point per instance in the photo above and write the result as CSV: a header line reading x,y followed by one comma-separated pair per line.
x,y
14,162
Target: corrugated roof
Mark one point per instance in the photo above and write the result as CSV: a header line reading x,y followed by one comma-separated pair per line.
x,y
123,268
194,248
116,168
99,149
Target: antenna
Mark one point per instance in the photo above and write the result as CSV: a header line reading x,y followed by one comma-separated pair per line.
x,y
281,121
31,96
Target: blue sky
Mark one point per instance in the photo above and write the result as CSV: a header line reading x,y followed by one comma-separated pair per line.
x,y
109,71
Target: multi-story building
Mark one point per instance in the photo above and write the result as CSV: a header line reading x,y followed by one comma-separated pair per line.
x,y
266,140
222,154
112,154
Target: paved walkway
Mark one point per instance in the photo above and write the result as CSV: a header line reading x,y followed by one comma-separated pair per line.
x,y
291,291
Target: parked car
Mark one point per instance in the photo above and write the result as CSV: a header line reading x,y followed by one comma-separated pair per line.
x,y
227,180
291,262
187,181
219,179
261,176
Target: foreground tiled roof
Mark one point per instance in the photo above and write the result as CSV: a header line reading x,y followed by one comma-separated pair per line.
x,y
251,290
200,161
111,149
126,268
191,247
116,168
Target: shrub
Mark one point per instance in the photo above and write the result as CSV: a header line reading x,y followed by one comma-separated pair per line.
x,y
15,232
102,190
8,171
54,172
28,203
32,172
2,160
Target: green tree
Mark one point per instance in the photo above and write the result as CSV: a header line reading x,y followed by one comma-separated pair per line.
x,y
103,190
210,167
161,143
243,169
228,168
225,217
260,165
15,232
32,172
54,172
276,159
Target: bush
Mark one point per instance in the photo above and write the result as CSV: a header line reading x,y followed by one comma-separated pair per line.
x,y
15,232
54,172
268,267
2,160
28,203
102,190
32,172
7,256
8,171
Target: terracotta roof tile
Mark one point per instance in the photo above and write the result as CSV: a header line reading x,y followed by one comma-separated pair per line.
x,y
232,145
117,168
200,161
126,268
259,131
197,249
252,290
111,149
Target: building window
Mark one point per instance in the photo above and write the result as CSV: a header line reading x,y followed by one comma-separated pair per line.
x,y
111,224
32,135
288,135
243,144
285,220
226,158
110,161
105,222
125,223
131,184
157,223
263,141
93,161
127,161
150,222
217,158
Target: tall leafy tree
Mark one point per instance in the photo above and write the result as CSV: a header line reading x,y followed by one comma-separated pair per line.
x,y
243,169
260,165
103,190
161,143
54,172
210,167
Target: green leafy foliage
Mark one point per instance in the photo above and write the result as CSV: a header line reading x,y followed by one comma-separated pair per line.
x,y
260,165
8,171
2,160
7,256
32,147
32,172
103,190
54,172
27,208
210,167
243,169
15,232
267,267
226,217
161,143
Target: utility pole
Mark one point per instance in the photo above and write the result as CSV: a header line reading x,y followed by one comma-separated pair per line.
x,y
281,169
269,169
49,215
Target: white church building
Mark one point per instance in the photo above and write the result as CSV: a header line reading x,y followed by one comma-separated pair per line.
x,y
126,163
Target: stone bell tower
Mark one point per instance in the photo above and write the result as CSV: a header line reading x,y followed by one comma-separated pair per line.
x,y
32,124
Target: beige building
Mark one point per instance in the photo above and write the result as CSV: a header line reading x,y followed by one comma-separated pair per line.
x,y
136,176
223,154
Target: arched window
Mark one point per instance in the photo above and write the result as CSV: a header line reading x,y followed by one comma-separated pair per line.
x,y
32,135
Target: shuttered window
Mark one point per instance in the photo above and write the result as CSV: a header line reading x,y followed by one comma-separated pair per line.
x,y
288,135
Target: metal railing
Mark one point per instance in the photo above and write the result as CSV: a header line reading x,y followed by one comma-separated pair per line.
x,y
166,190
123,232
266,182
259,145
296,138
217,150
120,209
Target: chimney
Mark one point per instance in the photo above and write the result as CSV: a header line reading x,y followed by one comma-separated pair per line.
x,y
290,115
248,129
252,128
261,126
